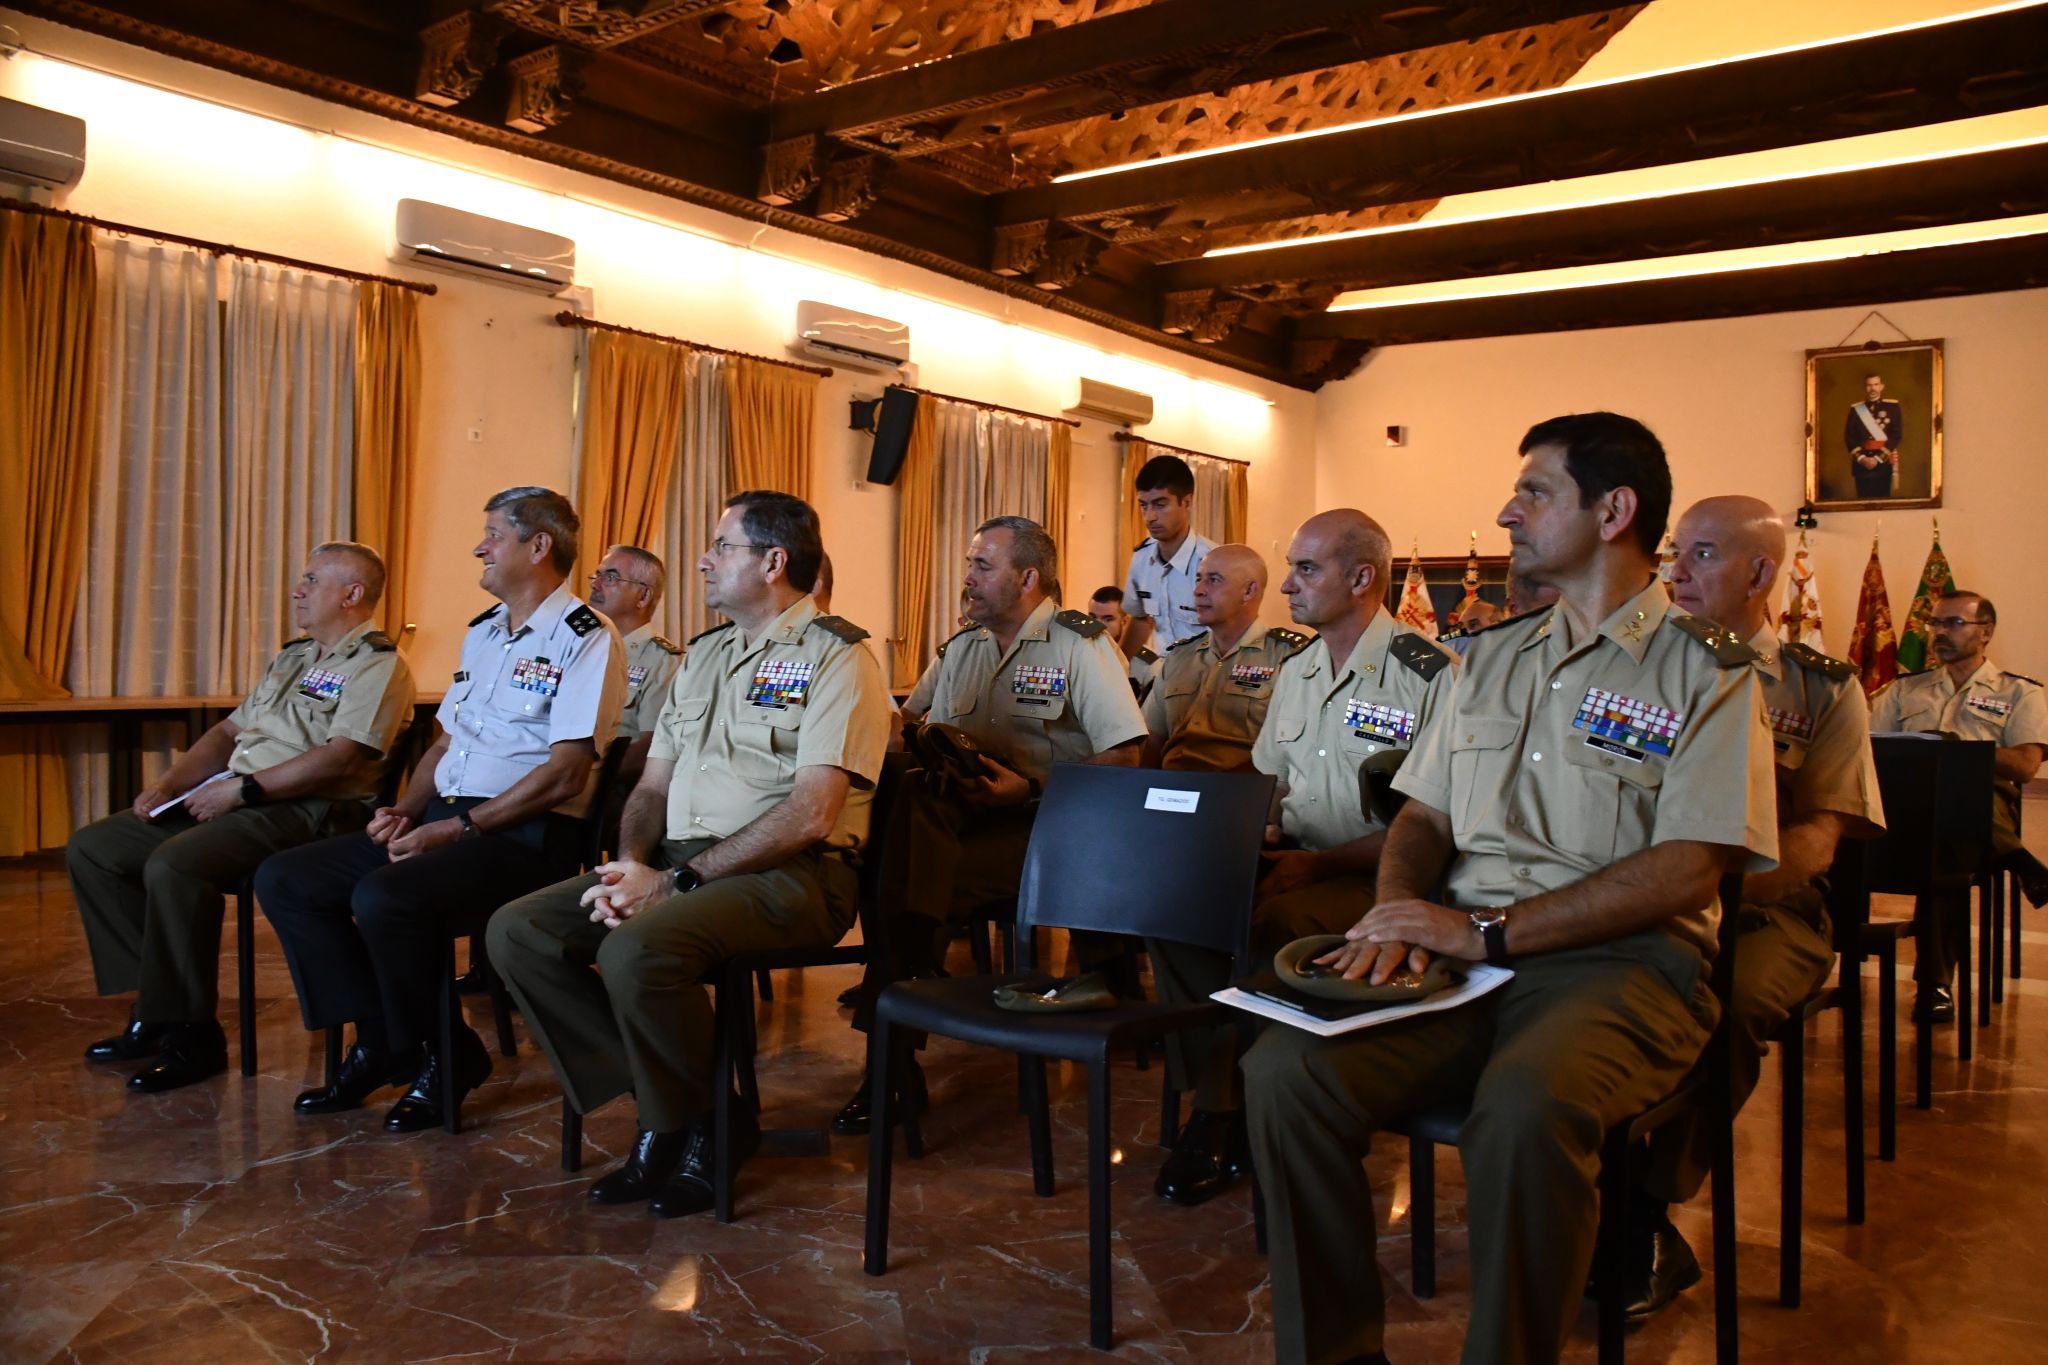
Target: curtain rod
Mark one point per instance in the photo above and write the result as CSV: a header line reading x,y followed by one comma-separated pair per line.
x,y
1178,450
569,319
990,407
218,248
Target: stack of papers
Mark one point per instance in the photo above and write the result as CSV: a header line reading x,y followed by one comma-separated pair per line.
x,y
1315,1014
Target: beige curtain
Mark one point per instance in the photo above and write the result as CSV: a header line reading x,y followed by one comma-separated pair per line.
x,y
695,494
918,573
1059,479
387,418
48,325
632,429
773,417
1222,497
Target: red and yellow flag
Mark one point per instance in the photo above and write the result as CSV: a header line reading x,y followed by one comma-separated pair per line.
x,y
1800,622
1872,648
1415,612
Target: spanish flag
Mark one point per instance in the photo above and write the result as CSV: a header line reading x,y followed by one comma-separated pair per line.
x,y
1872,648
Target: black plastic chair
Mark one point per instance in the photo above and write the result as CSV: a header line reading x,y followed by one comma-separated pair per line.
x,y
1202,897
412,743
1621,1161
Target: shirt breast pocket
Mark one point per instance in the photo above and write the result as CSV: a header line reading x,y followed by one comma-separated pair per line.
x,y
764,742
1482,753
1613,807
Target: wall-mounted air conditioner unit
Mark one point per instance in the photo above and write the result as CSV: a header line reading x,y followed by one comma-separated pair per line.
x,y
40,148
442,238
840,336
1112,404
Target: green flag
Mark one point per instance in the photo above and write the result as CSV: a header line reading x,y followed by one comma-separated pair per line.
x,y
1935,580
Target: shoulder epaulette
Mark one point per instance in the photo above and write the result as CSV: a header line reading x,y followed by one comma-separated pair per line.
x,y
1418,653
1454,633
1535,615
1080,622
1728,651
486,614
840,626
964,630
666,645
1194,639
723,625
1809,657
1293,641
296,640
380,642
1146,656
583,620
2021,676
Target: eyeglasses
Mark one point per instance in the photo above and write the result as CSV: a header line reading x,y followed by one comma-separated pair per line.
x,y
611,578
1954,622
721,545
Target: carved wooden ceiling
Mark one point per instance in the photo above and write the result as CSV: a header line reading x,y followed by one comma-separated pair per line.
x,y
935,131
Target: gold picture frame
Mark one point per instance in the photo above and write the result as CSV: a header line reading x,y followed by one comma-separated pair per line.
x,y
1873,426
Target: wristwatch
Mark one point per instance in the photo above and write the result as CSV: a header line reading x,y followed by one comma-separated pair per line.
x,y
469,829
1492,924
686,879
252,792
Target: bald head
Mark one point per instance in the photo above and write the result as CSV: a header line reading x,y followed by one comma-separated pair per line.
x,y
1338,566
1230,587
1729,550
1480,615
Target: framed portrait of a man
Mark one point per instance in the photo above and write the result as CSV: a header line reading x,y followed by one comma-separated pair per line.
x,y
1873,426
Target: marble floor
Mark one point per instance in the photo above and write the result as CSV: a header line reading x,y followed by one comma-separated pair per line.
x,y
213,1225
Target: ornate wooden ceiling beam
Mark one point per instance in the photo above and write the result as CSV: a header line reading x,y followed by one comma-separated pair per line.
x,y
1962,189
1165,50
1973,66
598,23
1931,272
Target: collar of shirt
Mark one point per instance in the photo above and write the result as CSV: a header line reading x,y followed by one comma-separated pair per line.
x,y
1988,676
346,644
645,632
545,618
1769,652
1369,655
1629,625
1184,559
786,629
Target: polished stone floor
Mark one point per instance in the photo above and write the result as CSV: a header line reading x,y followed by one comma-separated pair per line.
x,y
212,1225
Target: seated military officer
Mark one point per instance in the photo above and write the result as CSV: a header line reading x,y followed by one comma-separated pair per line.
x,y
756,792
1972,698
1729,550
1107,606
494,809
1034,686
1576,791
627,587
298,760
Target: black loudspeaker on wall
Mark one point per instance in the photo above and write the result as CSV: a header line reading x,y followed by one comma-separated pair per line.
x,y
892,434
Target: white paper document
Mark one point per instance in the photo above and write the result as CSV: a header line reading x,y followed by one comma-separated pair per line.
x,y
1479,979
177,800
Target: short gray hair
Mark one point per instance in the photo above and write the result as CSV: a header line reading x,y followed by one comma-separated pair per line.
x,y
650,564
369,565
532,510
1030,548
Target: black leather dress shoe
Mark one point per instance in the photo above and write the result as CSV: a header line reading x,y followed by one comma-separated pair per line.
x,y
132,1044
1199,1167
693,1188
647,1168
191,1053
1935,1005
361,1075
420,1107
1669,1271
856,1116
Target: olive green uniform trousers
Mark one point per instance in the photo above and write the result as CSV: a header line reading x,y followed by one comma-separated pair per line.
x,y
152,893
1204,1060
625,1009
1577,1042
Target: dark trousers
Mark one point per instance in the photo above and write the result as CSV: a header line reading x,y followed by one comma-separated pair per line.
x,y
1941,927
1875,482
364,936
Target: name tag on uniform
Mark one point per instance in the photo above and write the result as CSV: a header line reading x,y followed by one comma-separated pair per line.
x,y
1990,706
781,683
1144,592
1797,724
636,675
1252,677
537,675
1379,721
1622,725
322,684
1038,680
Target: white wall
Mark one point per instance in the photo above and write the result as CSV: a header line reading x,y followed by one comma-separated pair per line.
x,y
1729,400
185,149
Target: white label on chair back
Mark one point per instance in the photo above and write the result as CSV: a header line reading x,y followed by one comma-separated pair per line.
x,y
1160,798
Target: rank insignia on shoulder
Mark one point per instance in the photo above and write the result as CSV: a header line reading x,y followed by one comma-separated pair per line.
x,y
1080,622
2021,677
841,627
583,620
1419,654
780,683
1729,652
703,634
1809,657
1291,641
666,645
1146,656
486,614
380,642
1454,633
964,630
1197,638
297,640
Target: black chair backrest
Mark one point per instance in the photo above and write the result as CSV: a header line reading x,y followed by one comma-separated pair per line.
x,y
1936,793
1171,855
410,747
601,826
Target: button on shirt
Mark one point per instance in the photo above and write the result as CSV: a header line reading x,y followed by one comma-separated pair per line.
x,y
2005,708
560,676
1324,720
1210,704
651,662
743,716
1556,758
1055,696
1165,589
360,690
1820,735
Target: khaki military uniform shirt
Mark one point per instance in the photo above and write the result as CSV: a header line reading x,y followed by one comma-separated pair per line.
x,y
360,690
743,715
1059,695
1556,758
651,662
2008,709
1143,669
1324,720
1209,704
560,676
1820,732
